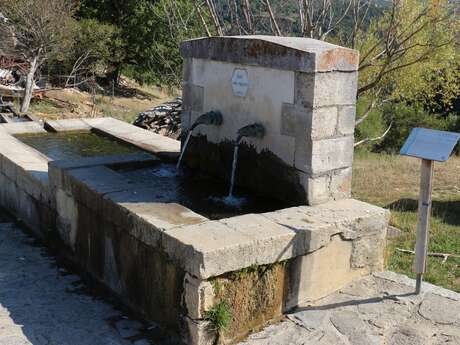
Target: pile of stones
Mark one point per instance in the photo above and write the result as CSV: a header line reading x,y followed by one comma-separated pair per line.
x,y
163,119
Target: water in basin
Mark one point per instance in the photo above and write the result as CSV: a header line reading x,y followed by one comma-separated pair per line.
x,y
203,195
75,145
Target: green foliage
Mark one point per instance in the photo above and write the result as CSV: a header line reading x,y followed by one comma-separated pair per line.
x,y
405,117
220,316
148,33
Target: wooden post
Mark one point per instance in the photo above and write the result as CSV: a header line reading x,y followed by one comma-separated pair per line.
x,y
423,223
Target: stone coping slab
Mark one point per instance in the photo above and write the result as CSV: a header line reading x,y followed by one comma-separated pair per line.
x,y
212,248
67,125
22,128
139,137
287,53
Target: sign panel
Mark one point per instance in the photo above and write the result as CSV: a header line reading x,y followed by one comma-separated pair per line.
x,y
240,82
430,144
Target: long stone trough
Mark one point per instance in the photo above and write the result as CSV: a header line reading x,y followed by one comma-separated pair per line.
x,y
175,266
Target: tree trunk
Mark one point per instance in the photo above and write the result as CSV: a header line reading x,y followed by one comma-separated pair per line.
x,y
29,85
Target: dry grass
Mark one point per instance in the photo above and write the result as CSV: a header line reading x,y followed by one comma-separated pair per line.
x,y
393,182
125,105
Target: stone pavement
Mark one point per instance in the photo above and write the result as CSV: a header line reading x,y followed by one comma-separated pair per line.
x,y
43,304
377,310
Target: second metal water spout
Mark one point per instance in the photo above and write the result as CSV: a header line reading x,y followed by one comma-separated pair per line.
x,y
255,130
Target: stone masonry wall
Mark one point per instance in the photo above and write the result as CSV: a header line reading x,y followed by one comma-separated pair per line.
x,y
302,91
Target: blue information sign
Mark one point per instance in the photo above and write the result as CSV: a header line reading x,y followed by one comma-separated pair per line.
x,y
430,144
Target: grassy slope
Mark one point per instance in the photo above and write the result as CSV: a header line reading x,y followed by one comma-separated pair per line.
x,y
126,104
393,182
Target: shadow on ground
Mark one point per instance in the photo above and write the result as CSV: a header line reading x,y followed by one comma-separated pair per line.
x,y
448,211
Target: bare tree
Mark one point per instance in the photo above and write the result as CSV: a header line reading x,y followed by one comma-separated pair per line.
x,y
36,30
319,18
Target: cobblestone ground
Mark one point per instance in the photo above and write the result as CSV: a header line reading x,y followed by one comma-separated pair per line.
x,y
377,310
42,304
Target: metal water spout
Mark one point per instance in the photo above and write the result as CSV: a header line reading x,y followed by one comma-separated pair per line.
x,y
213,118
255,130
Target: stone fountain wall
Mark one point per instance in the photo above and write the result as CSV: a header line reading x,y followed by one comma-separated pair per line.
x,y
302,90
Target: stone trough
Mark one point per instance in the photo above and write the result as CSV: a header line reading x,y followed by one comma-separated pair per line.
x,y
172,263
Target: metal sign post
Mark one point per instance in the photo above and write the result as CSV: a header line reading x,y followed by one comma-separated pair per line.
x,y
429,145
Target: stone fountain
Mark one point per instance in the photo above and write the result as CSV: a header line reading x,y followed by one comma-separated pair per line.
x,y
167,260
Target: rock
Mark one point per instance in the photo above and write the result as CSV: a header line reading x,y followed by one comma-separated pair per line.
x,y
281,334
393,232
310,319
440,310
406,336
350,324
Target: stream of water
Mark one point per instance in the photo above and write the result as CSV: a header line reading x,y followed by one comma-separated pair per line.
x,y
234,163
183,149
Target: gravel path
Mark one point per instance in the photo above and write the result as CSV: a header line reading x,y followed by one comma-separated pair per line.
x,y
42,304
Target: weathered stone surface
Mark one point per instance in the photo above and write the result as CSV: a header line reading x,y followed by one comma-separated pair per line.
x,y
193,97
22,128
198,296
346,122
330,154
199,332
440,310
290,53
406,336
323,123
158,144
67,125
311,319
353,327
320,273
282,334
336,88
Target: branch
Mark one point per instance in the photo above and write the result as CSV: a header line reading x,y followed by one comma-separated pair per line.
x,y
203,21
276,28
374,139
445,256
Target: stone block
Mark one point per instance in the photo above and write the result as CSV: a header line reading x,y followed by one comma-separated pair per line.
x,y
335,88
331,154
340,183
198,332
198,296
286,53
323,123
67,125
289,119
304,89
23,128
346,123
317,188
187,70
67,217
320,273
192,97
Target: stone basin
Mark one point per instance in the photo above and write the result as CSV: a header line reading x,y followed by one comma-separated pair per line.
x,y
163,259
